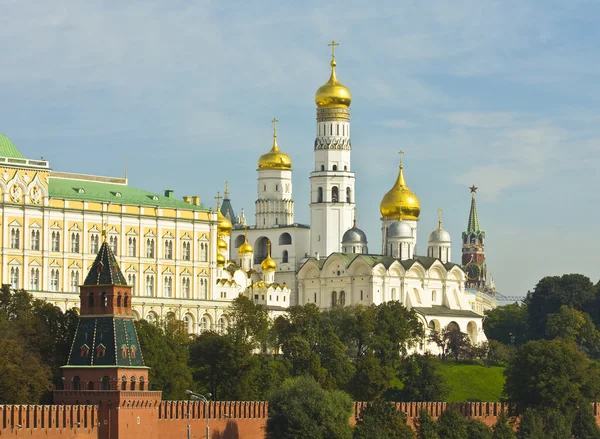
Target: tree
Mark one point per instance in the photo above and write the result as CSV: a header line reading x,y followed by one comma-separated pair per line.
x,y
382,420
531,425
452,425
302,409
573,290
423,380
584,423
502,428
371,378
249,322
575,326
477,429
451,342
426,427
165,348
507,324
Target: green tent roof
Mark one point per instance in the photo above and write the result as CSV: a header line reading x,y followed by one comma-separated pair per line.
x,y
8,149
74,189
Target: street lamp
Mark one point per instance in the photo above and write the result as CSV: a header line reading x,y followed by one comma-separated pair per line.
x,y
202,398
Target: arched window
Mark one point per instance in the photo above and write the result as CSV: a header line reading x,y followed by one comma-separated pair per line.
x,y
142,383
149,285
34,280
119,300
203,252
204,324
285,239
334,194
185,251
126,301
345,168
94,241
131,246
322,167
284,256
185,287
15,237
320,195
335,167
150,247
168,286
132,385
114,244
35,240
74,242
105,383
123,382
55,245
54,279
348,195
131,282
90,385
221,325
334,301
168,249
76,383
90,300
14,278
103,300
342,298
74,280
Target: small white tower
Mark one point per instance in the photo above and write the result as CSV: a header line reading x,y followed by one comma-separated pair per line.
x,y
268,267
354,240
274,205
400,241
332,181
439,242
245,253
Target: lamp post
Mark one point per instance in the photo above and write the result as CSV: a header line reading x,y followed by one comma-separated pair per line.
x,y
204,399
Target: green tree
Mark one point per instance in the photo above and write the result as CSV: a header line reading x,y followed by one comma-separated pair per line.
x,y
301,409
371,378
548,373
573,290
382,420
426,427
502,428
451,341
477,429
166,351
452,425
584,423
531,425
423,380
507,324
575,326
249,323
337,367
355,326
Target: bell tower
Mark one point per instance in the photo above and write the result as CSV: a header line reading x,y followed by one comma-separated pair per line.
x,y
473,254
105,365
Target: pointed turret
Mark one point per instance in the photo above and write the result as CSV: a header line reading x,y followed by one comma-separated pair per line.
x,y
473,254
473,226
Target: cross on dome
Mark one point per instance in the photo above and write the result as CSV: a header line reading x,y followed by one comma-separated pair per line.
x,y
274,121
401,154
332,45
218,198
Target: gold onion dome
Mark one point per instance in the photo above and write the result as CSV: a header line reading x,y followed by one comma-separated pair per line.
x,y
221,244
333,93
400,202
274,159
268,263
224,227
245,248
220,260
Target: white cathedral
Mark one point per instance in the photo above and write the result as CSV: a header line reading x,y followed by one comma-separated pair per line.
x,y
328,262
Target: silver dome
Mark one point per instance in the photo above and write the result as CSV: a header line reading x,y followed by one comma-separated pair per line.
x,y
354,235
440,235
399,229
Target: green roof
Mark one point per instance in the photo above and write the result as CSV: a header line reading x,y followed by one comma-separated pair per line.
x,y
75,189
439,310
387,261
8,149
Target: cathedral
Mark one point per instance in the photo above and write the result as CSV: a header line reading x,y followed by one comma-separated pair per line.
x,y
328,262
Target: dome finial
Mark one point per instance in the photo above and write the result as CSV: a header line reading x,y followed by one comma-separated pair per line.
x,y
440,218
226,188
332,45
354,222
333,93
275,147
401,154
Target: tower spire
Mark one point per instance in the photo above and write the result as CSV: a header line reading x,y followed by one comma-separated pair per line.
x,y
473,226
275,147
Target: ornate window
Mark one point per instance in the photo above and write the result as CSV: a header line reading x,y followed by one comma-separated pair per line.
x,y
348,195
74,280
150,247
74,242
320,195
15,237
168,286
131,282
131,246
334,167
14,277
35,240
54,279
185,287
34,279
55,242
94,243
342,301
185,251
203,252
149,285
334,194
203,288
204,324
168,249
142,383
114,244
221,325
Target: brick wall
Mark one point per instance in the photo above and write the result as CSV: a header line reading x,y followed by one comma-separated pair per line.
x,y
55,421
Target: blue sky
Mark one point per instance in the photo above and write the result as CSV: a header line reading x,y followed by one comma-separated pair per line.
x,y
500,94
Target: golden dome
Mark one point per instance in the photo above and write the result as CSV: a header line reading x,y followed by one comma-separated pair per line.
x,y
221,260
333,93
221,244
224,227
274,159
400,202
245,248
268,263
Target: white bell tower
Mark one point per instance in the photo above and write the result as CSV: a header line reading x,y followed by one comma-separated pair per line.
x,y
332,181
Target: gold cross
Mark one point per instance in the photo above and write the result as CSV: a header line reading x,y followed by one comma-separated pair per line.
x,y
226,187
104,231
332,45
269,248
440,217
401,154
274,126
218,198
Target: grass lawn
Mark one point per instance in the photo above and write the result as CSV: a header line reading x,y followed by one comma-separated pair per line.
x,y
473,382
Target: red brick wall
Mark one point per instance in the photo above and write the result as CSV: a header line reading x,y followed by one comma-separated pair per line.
x,y
53,421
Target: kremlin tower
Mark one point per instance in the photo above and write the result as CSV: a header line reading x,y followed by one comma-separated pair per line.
x,y
473,254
